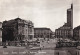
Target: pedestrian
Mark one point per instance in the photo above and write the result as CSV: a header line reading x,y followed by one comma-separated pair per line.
x,y
40,48
43,46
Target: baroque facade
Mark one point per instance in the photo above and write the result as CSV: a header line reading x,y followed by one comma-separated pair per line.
x,y
66,31
42,33
17,30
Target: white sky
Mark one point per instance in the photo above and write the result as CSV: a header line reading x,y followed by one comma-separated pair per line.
x,y
43,13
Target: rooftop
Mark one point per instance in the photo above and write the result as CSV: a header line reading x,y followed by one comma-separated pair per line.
x,y
78,27
42,28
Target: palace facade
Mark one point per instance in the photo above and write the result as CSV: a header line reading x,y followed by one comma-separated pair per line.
x,y
17,30
66,31
42,33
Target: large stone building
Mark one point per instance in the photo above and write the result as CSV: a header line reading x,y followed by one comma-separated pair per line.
x,y
70,17
76,33
63,32
17,30
66,31
0,31
42,33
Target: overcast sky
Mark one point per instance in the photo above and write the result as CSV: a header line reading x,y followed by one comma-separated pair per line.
x,y
43,13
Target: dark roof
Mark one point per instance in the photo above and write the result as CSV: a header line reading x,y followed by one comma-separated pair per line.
x,y
12,21
63,27
29,22
78,27
18,18
42,29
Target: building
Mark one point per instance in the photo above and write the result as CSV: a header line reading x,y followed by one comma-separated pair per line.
x,y
63,32
17,30
76,33
66,31
42,33
70,17
0,31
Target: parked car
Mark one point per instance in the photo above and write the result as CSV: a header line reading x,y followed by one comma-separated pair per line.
x,y
4,46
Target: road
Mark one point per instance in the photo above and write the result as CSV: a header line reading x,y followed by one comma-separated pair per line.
x,y
48,49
